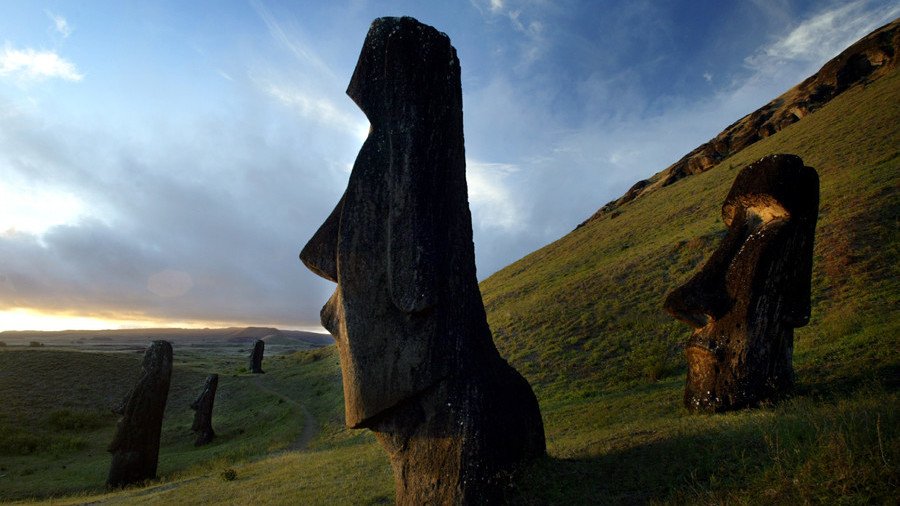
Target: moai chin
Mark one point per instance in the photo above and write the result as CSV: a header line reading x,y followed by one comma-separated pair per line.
x,y
753,291
203,407
135,446
256,357
418,363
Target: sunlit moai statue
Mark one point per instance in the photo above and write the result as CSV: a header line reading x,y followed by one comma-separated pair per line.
x,y
419,366
753,291
256,357
135,447
203,406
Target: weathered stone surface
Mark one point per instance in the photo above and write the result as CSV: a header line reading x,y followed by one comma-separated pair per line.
x,y
135,446
753,291
203,407
419,366
256,357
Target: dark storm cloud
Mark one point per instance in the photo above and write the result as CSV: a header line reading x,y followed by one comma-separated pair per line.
x,y
229,223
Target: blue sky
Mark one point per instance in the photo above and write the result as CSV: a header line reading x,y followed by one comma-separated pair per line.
x,y
163,162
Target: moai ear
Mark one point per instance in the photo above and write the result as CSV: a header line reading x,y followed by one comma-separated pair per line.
x,y
806,214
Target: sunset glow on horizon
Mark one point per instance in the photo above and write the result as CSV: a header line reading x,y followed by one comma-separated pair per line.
x,y
22,319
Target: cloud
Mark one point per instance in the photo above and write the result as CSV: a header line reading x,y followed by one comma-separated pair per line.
x,y
492,203
317,109
525,20
29,65
822,36
204,230
60,24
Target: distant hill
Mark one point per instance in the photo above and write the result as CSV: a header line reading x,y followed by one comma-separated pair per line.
x,y
226,335
871,58
584,314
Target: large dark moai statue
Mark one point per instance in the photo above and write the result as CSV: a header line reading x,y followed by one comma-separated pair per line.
x,y
256,357
419,366
203,407
135,447
753,291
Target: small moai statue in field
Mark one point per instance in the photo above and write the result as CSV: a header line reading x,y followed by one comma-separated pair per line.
x,y
745,302
135,446
203,407
419,366
256,357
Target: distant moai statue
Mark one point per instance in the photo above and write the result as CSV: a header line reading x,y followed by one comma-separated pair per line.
x,y
256,357
203,407
419,366
753,291
135,446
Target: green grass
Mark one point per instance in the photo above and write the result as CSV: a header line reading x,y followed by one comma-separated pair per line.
x,y
56,418
582,319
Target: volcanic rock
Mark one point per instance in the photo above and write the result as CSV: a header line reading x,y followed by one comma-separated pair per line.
x,y
745,302
419,366
135,446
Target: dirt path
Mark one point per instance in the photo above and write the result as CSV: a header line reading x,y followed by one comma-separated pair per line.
x,y
309,421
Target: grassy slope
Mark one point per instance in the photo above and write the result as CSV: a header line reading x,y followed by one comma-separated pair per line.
x,y
55,419
581,318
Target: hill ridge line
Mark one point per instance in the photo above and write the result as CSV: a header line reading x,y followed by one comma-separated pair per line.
x,y
863,62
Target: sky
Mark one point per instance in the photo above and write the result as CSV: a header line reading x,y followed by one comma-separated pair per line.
x,y
163,163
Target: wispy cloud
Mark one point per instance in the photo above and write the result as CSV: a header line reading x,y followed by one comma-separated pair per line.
x,y
291,42
525,20
493,206
822,36
60,24
29,65
317,109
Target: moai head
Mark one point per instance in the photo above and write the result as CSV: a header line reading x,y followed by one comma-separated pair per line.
x,y
256,356
754,289
135,445
407,310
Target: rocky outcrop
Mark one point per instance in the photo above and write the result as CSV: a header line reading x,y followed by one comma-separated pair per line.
x,y
256,357
203,406
419,366
753,291
135,446
865,61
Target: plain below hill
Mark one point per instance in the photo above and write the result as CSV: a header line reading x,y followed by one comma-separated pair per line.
x,y
229,335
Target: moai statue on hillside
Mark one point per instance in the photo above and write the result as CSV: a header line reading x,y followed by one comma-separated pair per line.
x,y
203,407
256,357
419,366
753,291
135,447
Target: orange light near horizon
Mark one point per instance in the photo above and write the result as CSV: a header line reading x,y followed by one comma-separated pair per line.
x,y
34,319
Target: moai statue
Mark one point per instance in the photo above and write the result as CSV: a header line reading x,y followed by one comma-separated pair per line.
x,y
753,291
256,357
135,447
418,362
203,407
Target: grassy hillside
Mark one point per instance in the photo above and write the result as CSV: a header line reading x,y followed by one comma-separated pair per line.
x,y
582,319
55,417
584,315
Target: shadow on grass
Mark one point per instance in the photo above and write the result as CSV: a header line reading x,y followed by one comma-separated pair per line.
x,y
682,466
834,438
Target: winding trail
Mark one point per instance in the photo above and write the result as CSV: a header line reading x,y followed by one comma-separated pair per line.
x,y
309,421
